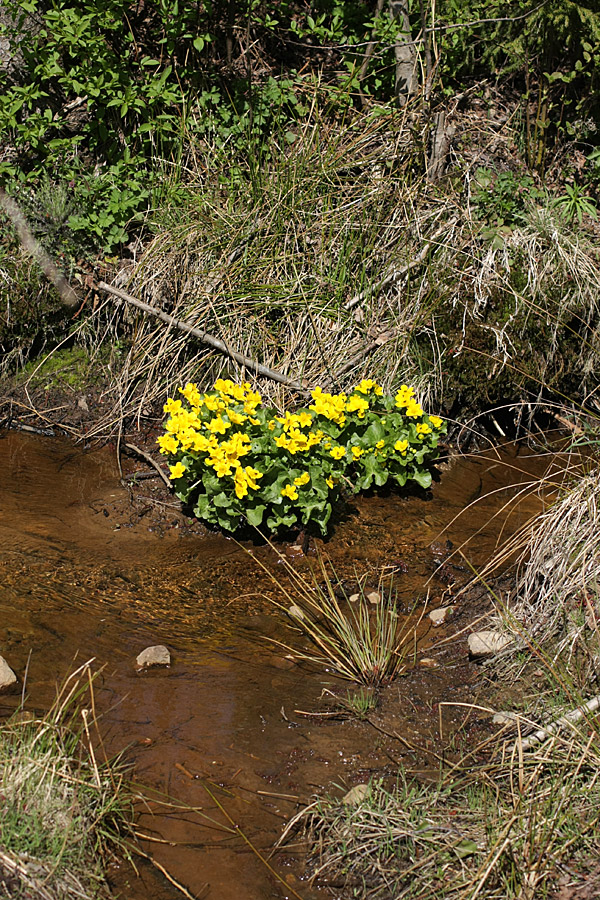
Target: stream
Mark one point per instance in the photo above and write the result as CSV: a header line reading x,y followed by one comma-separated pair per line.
x,y
219,730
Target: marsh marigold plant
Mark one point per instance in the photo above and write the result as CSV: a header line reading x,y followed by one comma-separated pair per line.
x,y
234,460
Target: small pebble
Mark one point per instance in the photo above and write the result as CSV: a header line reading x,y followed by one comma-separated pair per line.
x,y
296,613
504,718
356,795
439,616
374,597
487,643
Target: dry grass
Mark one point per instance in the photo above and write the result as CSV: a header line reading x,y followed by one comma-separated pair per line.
x,y
65,812
557,593
506,829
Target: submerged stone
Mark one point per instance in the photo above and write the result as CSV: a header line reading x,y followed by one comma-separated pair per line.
x,y
154,656
296,613
7,676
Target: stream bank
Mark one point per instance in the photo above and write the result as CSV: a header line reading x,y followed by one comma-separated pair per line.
x,y
84,578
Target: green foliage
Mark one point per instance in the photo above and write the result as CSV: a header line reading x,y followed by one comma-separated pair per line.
x,y
574,204
500,200
236,461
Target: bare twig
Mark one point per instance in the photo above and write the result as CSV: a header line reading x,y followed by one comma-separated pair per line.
x,y
31,245
205,338
570,718
151,462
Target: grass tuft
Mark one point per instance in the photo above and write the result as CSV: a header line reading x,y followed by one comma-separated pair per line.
x,y
64,813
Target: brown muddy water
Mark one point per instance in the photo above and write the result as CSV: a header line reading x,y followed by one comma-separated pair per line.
x,y
82,579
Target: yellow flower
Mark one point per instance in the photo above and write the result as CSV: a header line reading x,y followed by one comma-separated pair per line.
x,y
358,405
177,470
245,478
405,396
235,418
222,466
422,429
214,404
168,443
337,452
251,477
401,446
436,421
413,410
332,406
217,425
380,445
172,406
357,452
302,479
191,394
289,491
272,425
305,420
200,444
367,384
329,482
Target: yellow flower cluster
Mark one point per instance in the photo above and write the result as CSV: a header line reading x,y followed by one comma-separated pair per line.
x,y
332,406
245,478
293,438
405,399
196,430
367,385
226,455
186,428
358,405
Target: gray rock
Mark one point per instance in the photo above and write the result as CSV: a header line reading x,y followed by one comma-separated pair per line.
x,y
7,676
439,616
504,718
487,643
357,794
154,656
353,598
296,613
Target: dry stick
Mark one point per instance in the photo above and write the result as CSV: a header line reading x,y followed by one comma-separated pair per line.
x,y
569,718
151,462
205,338
29,243
399,273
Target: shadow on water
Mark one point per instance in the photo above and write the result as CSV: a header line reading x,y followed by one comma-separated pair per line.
x,y
77,584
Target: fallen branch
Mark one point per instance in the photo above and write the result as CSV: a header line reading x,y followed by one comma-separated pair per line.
x,y
204,337
31,245
569,718
151,462
397,274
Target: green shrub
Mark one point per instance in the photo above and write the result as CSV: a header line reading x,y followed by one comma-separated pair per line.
x,y
234,460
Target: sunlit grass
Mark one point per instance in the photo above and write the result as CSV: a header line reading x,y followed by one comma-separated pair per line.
x,y
65,811
357,640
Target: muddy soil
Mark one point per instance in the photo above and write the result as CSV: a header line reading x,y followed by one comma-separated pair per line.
x,y
92,568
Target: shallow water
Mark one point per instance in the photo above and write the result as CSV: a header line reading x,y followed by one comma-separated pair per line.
x,y
219,728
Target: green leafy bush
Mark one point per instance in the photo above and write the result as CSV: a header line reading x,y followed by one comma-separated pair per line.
x,y
234,460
